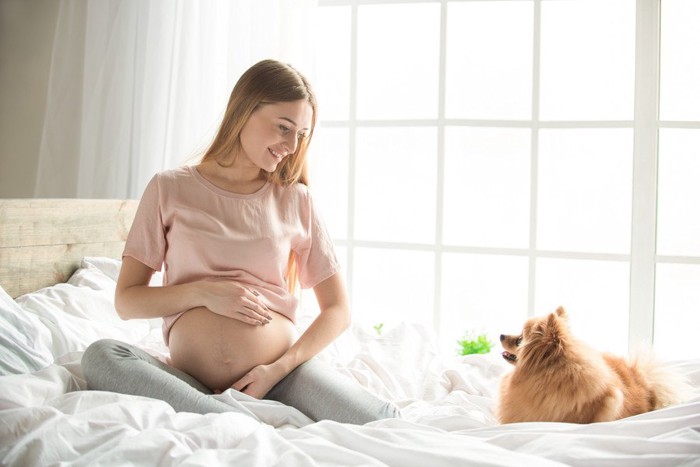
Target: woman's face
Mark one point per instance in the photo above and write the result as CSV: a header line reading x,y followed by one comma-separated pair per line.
x,y
272,132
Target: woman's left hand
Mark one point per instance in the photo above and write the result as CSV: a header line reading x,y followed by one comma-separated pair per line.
x,y
331,322
258,381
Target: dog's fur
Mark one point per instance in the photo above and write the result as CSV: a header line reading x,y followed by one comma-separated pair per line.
x,y
558,378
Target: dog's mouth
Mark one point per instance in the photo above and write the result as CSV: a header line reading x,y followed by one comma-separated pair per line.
x,y
509,357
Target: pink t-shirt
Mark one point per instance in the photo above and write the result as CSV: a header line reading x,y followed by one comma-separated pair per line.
x,y
197,230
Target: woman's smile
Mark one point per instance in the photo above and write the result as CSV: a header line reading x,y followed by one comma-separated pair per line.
x,y
278,156
275,129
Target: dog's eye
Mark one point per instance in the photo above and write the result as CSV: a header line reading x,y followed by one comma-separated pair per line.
x,y
519,341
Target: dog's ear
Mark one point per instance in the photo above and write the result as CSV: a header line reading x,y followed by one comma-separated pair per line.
x,y
554,328
561,312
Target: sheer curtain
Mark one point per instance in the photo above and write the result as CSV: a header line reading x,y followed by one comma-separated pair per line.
x,y
137,86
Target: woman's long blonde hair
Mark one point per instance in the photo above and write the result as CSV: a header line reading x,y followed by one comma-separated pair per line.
x,y
266,82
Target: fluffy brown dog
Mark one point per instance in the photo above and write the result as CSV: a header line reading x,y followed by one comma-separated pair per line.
x,y
558,378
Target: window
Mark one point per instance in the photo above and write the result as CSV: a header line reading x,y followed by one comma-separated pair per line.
x,y
677,299
479,162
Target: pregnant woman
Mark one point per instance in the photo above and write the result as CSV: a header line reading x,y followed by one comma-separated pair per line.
x,y
235,235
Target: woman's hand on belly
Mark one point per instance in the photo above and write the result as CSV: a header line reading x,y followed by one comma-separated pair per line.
x,y
229,298
258,381
220,351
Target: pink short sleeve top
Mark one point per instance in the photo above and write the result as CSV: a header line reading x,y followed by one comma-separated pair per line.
x,y
194,230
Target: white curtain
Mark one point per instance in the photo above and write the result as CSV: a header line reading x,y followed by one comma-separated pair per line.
x,y
137,86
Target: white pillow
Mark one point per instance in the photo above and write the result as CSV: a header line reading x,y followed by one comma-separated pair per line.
x,y
25,343
108,266
81,311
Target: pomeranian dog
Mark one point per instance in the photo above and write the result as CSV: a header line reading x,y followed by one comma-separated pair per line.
x,y
558,378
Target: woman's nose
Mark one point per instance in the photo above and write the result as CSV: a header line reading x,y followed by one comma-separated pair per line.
x,y
291,144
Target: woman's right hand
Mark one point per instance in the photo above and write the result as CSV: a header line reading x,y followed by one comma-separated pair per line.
x,y
229,298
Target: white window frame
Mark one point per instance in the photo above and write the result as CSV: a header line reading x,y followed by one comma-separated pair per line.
x,y
642,258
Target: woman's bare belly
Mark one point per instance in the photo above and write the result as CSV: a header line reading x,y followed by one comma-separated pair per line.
x,y
218,351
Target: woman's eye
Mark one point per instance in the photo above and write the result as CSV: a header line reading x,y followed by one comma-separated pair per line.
x,y
283,129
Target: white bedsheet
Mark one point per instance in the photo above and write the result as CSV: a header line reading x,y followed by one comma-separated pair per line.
x,y
46,418
447,420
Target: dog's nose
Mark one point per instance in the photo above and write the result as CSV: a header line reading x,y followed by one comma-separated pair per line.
x,y
502,337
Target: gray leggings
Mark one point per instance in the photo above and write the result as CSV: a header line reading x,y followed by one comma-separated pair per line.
x,y
314,388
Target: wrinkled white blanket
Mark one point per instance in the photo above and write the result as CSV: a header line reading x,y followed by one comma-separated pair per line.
x,y
447,404
447,407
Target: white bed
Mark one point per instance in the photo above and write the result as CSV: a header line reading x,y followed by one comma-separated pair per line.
x,y
47,418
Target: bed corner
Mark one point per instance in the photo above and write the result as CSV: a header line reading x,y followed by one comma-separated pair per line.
x,y
42,241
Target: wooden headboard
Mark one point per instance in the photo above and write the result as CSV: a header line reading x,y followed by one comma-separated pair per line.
x,y
42,241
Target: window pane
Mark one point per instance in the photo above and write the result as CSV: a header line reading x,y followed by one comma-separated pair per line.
x,y
594,293
328,174
678,230
473,297
585,190
332,55
489,60
487,187
397,61
680,60
393,286
587,60
395,184
677,316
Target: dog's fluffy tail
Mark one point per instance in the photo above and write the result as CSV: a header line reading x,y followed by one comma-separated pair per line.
x,y
667,383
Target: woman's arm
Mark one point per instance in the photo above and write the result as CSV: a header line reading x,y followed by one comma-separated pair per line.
x,y
134,298
328,325
333,320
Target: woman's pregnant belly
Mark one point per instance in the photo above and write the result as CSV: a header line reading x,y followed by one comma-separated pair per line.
x,y
218,351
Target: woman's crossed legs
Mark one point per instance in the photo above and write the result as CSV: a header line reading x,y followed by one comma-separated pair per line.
x,y
314,388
